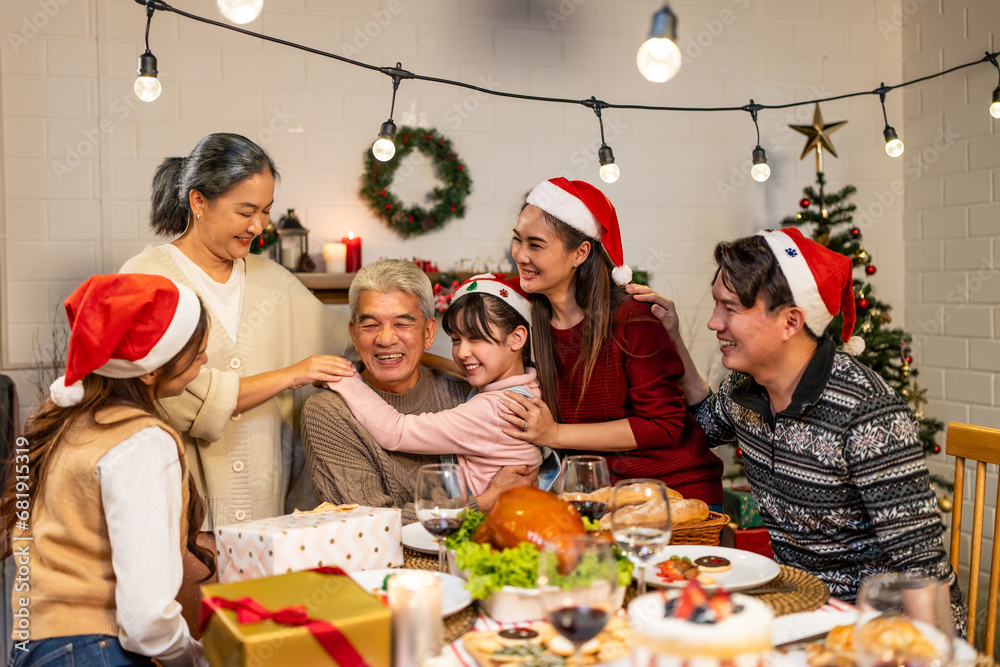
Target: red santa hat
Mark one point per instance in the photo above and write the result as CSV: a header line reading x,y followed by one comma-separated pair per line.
x,y
821,281
500,286
584,208
124,326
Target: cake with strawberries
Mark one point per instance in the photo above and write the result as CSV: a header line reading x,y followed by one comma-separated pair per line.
x,y
674,628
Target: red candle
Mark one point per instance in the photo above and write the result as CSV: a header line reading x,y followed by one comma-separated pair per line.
x,y
353,244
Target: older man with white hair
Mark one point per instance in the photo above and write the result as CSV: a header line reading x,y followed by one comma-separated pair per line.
x,y
392,325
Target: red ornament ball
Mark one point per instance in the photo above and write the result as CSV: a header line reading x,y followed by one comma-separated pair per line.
x,y
863,304
855,233
909,359
937,449
804,202
739,452
870,269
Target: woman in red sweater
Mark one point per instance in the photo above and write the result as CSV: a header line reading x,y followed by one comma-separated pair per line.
x,y
609,374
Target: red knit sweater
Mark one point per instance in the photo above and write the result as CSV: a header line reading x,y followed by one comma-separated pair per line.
x,y
637,378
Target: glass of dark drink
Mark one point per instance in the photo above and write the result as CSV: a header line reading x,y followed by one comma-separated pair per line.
x,y
904,619
441,501
579,479
577,579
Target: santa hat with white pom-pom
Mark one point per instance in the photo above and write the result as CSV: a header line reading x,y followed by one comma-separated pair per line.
x,y
124,326
584,208
821,282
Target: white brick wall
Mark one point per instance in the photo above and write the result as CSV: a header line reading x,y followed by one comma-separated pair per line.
x,y
951,215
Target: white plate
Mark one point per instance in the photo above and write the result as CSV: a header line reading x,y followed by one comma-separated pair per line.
x,y
416,537
749,569
454,597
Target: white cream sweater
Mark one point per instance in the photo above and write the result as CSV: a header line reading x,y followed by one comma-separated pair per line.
x,y
242,461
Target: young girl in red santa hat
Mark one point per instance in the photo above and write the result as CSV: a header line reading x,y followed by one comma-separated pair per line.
x,y
101,508
488,321
609,373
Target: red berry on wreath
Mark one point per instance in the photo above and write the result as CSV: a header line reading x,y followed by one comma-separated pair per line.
x,y
855,233
863,304
870,269
804,202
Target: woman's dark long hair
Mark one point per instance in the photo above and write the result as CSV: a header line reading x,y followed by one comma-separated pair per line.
x,y
44,433
217,164
599,297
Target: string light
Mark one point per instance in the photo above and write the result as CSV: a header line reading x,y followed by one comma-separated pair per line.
x,y
147,87
893,146
760,172
609,171
241,11
659,58
389,127
995,107
384,147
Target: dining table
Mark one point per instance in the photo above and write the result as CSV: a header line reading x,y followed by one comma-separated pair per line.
x,y
801,603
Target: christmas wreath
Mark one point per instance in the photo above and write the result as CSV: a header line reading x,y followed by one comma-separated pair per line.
x,y
449,201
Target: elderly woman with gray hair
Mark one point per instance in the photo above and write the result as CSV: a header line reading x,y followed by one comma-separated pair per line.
x,y
392,325
268,333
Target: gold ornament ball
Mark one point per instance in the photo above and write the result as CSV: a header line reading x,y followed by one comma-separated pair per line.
x,y
945,505
862,256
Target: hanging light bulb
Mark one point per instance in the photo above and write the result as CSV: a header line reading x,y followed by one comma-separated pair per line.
x,y
609,170
893,146
240,11
995,107
147,87
760,171
384,147
659,58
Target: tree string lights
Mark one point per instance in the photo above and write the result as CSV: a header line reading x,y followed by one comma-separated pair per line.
x,y
894,146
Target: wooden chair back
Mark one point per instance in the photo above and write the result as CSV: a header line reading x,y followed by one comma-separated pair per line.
x,y
982,445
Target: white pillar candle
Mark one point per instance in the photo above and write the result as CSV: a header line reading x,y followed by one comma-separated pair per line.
x,y
417,628
335,257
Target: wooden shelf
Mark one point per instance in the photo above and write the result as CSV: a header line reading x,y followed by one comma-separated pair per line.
x,y
333,287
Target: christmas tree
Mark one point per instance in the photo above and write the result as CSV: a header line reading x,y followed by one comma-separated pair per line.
x,y
829,219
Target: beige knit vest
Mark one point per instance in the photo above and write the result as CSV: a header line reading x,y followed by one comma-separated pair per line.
x,y
69,582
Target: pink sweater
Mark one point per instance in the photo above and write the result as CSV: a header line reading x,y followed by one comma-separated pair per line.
x,y
472,430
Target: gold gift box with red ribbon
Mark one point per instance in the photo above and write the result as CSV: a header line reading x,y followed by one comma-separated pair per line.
x,y
314,617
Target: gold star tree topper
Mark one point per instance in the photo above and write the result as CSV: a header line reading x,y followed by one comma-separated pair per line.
x,y
818,137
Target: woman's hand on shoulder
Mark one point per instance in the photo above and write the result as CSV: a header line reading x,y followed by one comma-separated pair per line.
x,y
530,418
663,308
318,368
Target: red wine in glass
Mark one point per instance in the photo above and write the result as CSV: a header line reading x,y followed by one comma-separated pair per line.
x,y
592,509
579,624
442,527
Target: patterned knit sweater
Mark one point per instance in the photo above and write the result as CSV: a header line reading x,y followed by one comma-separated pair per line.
x,y
839,476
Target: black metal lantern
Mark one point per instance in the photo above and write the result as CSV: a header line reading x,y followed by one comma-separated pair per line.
x,y
293,241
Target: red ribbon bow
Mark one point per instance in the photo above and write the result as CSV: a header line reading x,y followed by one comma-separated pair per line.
x,y
327,634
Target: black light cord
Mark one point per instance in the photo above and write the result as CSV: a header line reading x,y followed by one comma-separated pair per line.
x,y
753,108
397,73
149,19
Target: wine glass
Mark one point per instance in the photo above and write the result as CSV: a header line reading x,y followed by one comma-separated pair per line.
x,y
441,502
582,475
640,521
577,578
903,619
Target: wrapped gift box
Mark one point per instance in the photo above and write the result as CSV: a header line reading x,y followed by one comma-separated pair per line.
x,y
739,504
364,538
300,603
756,540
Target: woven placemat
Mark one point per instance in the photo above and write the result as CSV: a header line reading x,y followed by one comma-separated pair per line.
x,y
455,625
809,593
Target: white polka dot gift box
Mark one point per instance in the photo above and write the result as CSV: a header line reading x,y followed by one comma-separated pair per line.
x,y
349,537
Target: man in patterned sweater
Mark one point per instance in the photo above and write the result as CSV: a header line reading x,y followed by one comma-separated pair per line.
x,y
830,450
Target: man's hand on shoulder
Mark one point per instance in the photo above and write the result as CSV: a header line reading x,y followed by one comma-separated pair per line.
x,y
506,478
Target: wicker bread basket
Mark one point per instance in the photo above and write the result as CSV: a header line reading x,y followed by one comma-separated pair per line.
x,y
700,532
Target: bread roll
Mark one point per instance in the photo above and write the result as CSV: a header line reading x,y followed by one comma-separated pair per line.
x,y
631,496
683,510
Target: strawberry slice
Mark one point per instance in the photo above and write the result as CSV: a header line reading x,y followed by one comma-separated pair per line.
x,y
722,604
692,597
